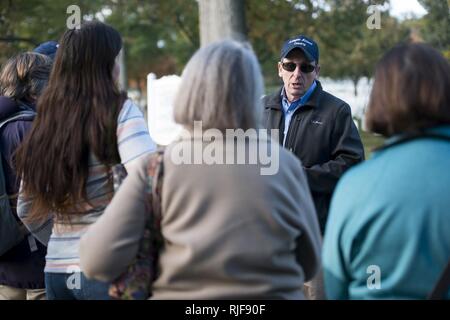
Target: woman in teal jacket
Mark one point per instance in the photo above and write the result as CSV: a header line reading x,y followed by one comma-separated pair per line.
x,y
388,233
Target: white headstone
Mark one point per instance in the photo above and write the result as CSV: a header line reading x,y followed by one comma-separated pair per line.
x,y
160,97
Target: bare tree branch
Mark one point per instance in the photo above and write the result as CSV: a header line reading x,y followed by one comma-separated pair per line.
x,y
18,39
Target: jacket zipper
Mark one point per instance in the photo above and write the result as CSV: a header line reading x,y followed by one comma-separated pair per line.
x,y
292,134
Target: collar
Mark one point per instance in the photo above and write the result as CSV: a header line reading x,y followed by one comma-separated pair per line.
x,y
299,102
274,100
8,107
441,132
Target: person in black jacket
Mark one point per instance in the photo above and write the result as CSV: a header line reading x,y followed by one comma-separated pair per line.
x,y
315,125
22,79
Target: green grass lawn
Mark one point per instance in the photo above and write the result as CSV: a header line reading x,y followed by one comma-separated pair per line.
x,y
370,141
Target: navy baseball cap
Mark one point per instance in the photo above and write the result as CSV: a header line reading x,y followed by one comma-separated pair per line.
x,y
307,45
47,48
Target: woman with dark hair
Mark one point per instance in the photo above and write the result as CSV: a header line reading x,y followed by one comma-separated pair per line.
x,y
388,234
22,80
84,127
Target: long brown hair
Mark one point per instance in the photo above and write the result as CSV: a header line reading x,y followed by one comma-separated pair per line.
x,y
410,90
77,115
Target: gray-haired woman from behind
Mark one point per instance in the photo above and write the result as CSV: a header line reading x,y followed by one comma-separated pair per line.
x,y
230,230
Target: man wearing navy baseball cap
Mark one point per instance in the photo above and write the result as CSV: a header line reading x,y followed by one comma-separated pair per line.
x,y
315,125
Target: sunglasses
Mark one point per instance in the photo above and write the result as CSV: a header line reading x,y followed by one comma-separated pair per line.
x,y
304,67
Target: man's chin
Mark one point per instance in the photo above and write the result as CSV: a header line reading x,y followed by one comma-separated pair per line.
x,y
297,93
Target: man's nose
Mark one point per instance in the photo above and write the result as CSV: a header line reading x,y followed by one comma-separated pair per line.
x,y
297,72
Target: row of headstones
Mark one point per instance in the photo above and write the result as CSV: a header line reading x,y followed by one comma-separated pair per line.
x,y
161,93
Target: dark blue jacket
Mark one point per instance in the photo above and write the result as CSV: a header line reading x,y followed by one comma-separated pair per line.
x,y
19,267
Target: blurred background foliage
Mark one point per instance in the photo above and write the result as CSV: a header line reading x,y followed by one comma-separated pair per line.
x,y
160,36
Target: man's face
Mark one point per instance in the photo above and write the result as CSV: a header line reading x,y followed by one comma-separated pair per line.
x,y
297,82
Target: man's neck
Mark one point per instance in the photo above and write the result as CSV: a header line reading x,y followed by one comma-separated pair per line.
x,y
291,98
288,97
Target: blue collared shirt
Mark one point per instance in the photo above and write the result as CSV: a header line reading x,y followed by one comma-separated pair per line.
x,y
290,108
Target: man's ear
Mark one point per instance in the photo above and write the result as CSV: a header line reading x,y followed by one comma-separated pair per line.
x,y
280,70
317,71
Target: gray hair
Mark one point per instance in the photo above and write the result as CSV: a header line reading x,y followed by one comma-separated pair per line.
x,y
24,76
221,86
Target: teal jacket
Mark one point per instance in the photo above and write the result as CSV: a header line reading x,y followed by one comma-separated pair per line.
x,y
388,233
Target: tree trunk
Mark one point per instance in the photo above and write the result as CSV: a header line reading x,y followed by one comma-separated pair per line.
x,y
123,79
222,19
139,86
355,86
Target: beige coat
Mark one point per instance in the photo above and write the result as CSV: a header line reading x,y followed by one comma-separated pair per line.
x,y
230,232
